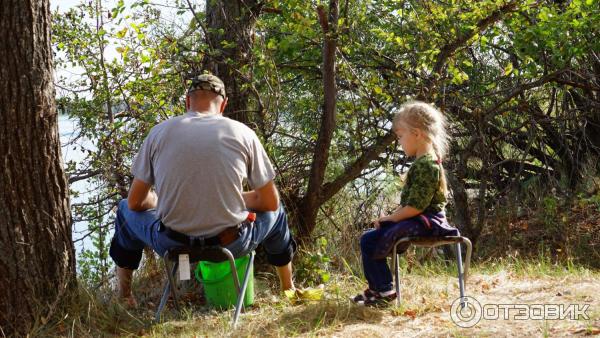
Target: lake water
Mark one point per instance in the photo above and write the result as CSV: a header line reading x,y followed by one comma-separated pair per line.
x,y
67,129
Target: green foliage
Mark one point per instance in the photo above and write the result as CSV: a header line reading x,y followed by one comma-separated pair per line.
x,y
312,266
516,80
594,200
550,205
125,77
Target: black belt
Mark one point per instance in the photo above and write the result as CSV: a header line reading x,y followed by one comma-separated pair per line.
x,y
223,238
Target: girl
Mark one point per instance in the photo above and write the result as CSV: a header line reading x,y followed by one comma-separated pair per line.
x,y
421,131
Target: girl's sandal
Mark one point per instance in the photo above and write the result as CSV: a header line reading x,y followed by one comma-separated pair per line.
x,y
367,296
380,300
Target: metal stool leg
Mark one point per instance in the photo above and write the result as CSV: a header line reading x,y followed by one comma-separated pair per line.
x,y
396,264
173,285
169,287
467,242
163,301
232,267
240,301
461,282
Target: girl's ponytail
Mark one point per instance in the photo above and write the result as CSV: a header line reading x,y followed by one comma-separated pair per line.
x,y
443,180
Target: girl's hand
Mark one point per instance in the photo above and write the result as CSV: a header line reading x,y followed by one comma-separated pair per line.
x,y
377,222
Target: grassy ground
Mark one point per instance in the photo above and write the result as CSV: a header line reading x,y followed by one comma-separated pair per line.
x,y
427,294
550,256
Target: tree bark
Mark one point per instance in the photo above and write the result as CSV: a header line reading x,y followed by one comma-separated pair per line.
x,y
314,194
37,259
230,38
462,214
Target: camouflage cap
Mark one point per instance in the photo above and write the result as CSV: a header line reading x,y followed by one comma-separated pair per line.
x,y
208,82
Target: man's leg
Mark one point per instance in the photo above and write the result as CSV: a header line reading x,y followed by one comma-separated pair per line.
x,y
124,277
133,231
272,231
285,276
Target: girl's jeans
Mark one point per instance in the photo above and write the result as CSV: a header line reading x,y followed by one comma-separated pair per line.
x,y
375,245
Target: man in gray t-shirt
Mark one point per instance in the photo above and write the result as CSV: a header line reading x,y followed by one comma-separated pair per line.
x,y
198,164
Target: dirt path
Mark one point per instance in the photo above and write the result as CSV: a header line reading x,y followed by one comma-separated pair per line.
x,y
427,304
425,310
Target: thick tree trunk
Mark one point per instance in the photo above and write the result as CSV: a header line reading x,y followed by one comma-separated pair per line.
x,y
230,37
37,264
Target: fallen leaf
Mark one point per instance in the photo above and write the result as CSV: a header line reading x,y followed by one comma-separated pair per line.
x,y
410,313
588,331
305,294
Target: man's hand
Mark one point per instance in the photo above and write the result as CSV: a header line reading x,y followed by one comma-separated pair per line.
x,y
265,198
141,197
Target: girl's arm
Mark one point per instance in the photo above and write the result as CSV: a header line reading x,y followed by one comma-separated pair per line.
x,y
401,213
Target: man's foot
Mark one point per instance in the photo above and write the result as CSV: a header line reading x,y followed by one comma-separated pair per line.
x,y
305,294
374,298
285,277
124,277
129,302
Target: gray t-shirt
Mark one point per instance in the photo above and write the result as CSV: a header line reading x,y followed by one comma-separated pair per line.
x,y
198,164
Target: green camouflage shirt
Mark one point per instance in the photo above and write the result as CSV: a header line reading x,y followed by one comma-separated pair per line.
x,y
423,190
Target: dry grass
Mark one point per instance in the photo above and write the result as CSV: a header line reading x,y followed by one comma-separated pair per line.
x,y
427,294
424,310
524,275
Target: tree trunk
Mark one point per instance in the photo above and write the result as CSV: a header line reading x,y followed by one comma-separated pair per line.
x,y
230,39
462,214
314,194
37,259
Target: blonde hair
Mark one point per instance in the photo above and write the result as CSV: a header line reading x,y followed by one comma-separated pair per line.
x,y
428,119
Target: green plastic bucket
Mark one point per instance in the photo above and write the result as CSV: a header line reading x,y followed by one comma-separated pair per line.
x,y
219,288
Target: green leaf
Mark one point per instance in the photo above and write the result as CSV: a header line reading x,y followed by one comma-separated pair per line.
x,y
484,40
122,32
508,69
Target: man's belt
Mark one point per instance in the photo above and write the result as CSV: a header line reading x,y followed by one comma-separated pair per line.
x,y
223,238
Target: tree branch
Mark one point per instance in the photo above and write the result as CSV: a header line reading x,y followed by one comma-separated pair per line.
x,y
353,171
448,50
84,175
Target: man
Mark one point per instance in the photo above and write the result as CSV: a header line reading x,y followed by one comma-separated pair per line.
x,y
198,164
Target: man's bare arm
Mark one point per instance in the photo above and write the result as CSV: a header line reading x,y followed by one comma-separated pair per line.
x,y
265,198
141,197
